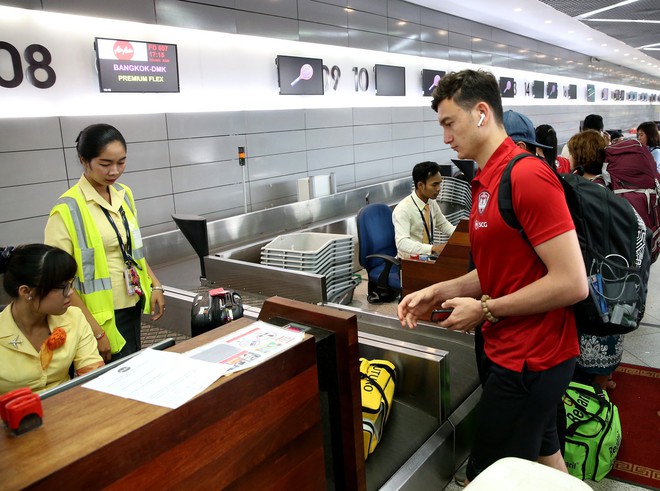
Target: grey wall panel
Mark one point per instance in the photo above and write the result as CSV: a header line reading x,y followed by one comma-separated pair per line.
x,y
408,146
267,193
373,151
264,121
372,133
201,150
371,115
311,32
329,137
23,231
266,25
408,12
212,200
364,21
431,128
74,168
462,55
24,4
323,13
431,50
29,134
324,118
147,155
339,3
407,130
402,166
33,200
405,46
433,143
367,40
195,15
261,144
434,35
18,168
209,175
433,18
373,171
190,125
482,58
330,157
134,127
284,164
403,29
457,40
153,211
281,8
407,114
374,6
133,10
148,184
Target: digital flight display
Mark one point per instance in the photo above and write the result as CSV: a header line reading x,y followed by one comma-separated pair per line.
x,y
299,76
136,66
390,80
430,80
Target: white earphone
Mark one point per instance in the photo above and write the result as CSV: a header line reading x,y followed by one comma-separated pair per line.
x,y
481,120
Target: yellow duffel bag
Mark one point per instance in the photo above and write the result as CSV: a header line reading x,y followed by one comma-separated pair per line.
x,y
377,381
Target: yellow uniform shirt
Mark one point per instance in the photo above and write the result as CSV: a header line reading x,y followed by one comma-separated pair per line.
x,y
57,235
20,365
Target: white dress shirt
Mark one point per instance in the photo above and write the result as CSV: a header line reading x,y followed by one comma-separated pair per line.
x,y
408,219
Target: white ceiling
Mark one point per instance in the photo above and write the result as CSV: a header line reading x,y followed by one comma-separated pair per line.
x,y
539,21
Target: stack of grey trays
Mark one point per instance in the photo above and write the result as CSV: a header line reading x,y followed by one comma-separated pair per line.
x,y
330,255
455,200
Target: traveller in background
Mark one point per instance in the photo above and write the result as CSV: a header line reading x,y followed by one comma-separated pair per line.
x,y
522,288
599,355
591,122
96,222
42,336
615,136
647,134
546,135
417,218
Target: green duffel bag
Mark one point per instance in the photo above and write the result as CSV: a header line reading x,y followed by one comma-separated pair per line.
x,y
593,431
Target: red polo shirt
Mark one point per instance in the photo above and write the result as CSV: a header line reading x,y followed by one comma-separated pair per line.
x,y
506,262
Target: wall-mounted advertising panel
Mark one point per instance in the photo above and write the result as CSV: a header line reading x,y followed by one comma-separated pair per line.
x,y
390,80
136,66
430,80
508,87
551,90
299,76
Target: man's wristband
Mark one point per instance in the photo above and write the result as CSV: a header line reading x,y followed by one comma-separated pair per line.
x,y
484,306
157,288
99,336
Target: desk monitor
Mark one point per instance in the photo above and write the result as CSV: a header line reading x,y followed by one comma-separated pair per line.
x,y
538,89
552,90
136,66
466,166
299,76
390,80
430,80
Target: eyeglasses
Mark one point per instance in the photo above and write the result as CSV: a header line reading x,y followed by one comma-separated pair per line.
x,y
66,288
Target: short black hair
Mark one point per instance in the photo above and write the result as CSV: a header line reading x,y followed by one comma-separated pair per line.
x,y
38,266
593,122
546,135
467,88
422,171
92,140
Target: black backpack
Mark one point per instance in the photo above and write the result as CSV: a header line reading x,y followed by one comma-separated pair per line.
x,y
615,246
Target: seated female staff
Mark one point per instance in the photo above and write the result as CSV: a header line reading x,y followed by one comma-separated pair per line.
x,y
41,335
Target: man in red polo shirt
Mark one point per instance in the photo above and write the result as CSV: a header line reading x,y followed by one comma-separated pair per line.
x,y
521,289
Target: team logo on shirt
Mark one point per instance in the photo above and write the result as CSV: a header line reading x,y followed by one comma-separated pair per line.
x,y
484,197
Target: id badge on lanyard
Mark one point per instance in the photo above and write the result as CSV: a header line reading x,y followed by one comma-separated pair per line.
x,y
131,277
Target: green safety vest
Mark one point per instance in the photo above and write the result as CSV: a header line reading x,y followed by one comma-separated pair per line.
x,y
93,278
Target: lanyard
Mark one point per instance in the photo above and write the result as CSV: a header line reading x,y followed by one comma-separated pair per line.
x,y
426,227
125,251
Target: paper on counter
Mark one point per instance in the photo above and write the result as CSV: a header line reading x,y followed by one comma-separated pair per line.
x,y
248,346
158,377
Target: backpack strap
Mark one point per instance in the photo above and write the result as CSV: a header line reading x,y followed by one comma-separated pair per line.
x,y
505,194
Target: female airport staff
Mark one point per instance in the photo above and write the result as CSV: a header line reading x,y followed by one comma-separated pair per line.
x,y
40,336
96,222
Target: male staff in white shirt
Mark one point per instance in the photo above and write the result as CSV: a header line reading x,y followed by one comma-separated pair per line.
x,y
417,218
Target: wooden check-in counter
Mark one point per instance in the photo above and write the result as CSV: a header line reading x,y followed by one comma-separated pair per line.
x,y
451,263
256,429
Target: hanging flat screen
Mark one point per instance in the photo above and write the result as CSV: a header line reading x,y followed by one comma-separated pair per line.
x,y
299,76
591,93
136,66
507,87
430,80
390,80
538,89
552,90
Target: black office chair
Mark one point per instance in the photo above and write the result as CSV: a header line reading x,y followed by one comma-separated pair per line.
x,y
378,253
